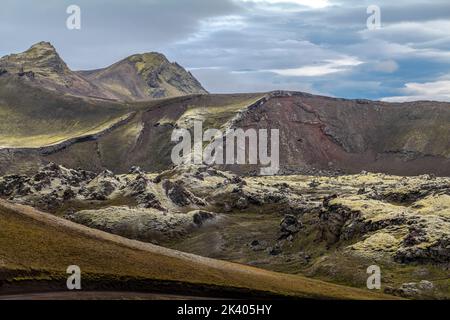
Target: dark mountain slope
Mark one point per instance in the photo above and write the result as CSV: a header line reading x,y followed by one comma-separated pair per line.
x,y
145,76
354,135
315,133
42,120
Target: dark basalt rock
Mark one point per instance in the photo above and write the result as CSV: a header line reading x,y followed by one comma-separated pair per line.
x,y
138,185
179,195
275,250
136,170
257,245
437,253
68,194
201,216
289,226
149,200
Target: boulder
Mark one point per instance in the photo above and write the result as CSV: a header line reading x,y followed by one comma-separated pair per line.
x,y
289,226
242,203
179,195
199,216
275,250
136,170
257,245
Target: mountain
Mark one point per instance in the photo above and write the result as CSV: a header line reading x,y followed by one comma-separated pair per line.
x,y
145,76
139,77
317,134
48,114
42,66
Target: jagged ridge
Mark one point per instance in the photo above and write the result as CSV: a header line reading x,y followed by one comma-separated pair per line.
x,y
138,77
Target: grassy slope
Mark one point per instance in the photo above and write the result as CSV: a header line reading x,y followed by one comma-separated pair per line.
x,y
35,245
32,117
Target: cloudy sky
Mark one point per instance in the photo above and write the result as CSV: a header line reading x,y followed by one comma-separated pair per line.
x,y
318,46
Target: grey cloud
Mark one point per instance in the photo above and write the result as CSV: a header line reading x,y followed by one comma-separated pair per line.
x,y
110,29
190,32
224,81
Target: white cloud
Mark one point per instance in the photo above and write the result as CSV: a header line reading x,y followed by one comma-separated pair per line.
x,y
209,26
387,66
316,4
426,39
437,91
224,23
377,49
410,32
223,81
329,67
203,68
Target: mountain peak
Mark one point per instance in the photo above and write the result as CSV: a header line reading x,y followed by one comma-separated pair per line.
x,y
41,48
139,77
41,59
148,56
43,44
42,66
146,76
145,61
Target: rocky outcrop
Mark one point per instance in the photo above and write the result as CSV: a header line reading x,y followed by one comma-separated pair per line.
x,y
415,234
289,226
179,195
200,217
140,189
320,225
142,224
423,289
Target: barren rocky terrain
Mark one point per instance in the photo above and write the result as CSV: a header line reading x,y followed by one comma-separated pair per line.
x,y
330,227
361,183
36,248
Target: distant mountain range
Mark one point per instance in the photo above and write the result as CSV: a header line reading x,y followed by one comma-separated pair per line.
x,y
110,118
139,77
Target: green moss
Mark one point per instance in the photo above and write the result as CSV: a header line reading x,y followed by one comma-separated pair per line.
x,y
31,117
216,114
29,244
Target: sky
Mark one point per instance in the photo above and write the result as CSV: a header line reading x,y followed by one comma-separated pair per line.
x,y
318,46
